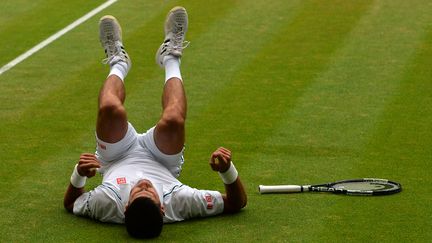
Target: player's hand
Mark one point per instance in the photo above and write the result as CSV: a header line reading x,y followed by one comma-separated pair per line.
x,y
220,160
87,165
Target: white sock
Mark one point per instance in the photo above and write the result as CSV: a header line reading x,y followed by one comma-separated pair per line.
x,y
172,67
119,69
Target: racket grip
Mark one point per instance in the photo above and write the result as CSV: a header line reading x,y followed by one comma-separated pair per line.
x,y
281,188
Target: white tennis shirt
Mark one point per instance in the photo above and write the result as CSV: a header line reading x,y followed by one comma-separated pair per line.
x,y
107,202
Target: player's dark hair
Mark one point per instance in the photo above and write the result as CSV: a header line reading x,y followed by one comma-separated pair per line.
x,y
143,218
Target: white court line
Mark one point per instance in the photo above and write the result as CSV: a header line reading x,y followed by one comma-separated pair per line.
x,y
54,37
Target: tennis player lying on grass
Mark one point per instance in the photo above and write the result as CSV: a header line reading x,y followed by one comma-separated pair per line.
x,y
139,186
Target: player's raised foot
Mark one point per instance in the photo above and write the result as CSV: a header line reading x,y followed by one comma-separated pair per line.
x,y
110,36
176,25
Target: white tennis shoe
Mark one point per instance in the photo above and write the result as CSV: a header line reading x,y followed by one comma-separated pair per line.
x,y
176,25
110,36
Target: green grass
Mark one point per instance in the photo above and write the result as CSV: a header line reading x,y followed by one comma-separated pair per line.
x,y
302,91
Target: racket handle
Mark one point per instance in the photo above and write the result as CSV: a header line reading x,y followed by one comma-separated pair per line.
x,y
282,188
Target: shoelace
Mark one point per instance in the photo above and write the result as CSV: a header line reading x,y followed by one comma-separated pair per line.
x,y
177,42
111,45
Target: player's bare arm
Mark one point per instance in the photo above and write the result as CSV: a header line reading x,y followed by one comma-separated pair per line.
x,y
235,197
86,168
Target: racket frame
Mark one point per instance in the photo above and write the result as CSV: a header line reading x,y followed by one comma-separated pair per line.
x,y
328,187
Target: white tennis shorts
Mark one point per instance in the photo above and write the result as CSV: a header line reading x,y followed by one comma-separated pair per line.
x,y
110,152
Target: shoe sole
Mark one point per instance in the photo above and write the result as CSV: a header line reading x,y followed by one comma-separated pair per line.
x,y
109,21
174,11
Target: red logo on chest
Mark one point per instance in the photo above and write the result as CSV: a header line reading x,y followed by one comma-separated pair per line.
x,y
121,180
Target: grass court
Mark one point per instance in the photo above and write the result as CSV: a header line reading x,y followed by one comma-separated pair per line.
x,y
302,91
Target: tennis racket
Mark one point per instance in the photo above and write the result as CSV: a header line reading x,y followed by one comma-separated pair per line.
x,y
363,186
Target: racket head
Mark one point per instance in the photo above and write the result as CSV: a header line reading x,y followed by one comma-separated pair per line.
x,y
365,186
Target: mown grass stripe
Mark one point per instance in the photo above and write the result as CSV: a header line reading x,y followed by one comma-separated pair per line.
x,y
30,23
338,112
54,37
342,110
350,95
257,102
400,146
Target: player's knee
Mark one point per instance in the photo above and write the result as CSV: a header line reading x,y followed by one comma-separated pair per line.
x,y
111,108
173,120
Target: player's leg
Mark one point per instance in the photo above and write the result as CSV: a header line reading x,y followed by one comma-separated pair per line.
x,y
112,122
169,134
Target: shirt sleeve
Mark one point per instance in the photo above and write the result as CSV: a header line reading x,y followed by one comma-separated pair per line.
x,y
187,202
99,204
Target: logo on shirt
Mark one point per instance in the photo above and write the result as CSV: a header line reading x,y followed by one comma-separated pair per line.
x,y
209,200
121,180
102,146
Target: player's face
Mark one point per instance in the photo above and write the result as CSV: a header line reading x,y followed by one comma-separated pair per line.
x,y
144,188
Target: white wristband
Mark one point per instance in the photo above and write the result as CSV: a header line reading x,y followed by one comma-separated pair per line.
x,y
229,176
76,179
